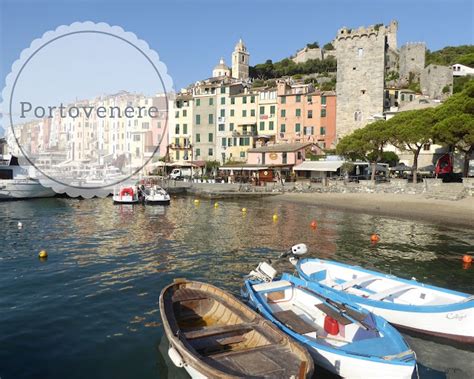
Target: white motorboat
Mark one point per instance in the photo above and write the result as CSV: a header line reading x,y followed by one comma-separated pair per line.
x,y
126,195
155,195
18,182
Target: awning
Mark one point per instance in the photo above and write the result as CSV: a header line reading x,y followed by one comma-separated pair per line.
x,y
243,168
319,166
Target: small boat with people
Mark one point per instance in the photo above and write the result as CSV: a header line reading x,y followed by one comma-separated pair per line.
x,y
126,195
341,336
211,334
405,303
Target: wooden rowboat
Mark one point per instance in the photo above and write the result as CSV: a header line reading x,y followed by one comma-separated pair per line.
x,y
213,335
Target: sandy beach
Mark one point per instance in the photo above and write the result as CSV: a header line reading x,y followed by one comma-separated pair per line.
x,y
460,212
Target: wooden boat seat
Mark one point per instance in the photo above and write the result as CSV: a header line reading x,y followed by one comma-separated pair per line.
x,y
391,291
271,286
356,282
186,294
294,322
216,330
333,313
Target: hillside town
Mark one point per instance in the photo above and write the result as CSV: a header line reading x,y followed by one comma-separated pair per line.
x,y
233,120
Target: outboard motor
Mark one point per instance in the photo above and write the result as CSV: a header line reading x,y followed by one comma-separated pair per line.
x,y
295,253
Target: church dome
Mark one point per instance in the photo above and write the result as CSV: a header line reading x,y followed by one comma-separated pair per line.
x,y
221,69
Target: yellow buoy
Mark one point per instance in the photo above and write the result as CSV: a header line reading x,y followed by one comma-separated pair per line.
x,y
275,217
244,210
216,204
43,254
196,201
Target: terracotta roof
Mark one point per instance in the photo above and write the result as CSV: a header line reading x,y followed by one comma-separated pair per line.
x,y
280,148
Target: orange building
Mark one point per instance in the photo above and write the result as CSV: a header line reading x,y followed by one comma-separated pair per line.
x,y
306,114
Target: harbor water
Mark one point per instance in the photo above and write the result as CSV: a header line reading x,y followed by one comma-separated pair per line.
x,y
91,309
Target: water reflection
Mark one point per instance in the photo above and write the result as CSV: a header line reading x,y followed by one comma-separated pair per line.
x,y
107,264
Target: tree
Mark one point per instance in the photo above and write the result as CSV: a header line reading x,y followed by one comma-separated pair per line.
x,y
455,126
367,143
314,45
411,130
328,46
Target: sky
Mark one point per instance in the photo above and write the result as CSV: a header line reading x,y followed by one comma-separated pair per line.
x,y
191,36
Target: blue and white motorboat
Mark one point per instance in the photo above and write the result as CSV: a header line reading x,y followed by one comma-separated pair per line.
x,y
342,337
408,304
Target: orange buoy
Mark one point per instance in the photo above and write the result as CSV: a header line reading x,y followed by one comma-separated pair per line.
x,y
313,224
466,266
467,258
374,238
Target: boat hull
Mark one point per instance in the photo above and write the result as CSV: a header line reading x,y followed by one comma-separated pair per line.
x,y
447,321
12,190
157,202
336,361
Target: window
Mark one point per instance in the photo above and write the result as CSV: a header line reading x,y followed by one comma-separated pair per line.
x,y
232,100
360,52
270,125
198,119
242,154
232,113
426,147
222,89
297,127
136,138
211,101
176,141
252,112
310,99
185,128
176,129
244,100
210,137
221,127
357,116
322,130
283,128
283,113
298,112
283,99
272,109
198,152
176,114
222,112
185,112
224,142
310,114
252,99
323,100
262,110
262,125
323,112
222,100
198,102
231,126
198,137
244,113
177,155
210,152
211,118
298,98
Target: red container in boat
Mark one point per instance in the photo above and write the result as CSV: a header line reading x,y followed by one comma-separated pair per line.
x,y
331,326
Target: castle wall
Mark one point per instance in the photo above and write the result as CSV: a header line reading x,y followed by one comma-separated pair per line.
x,y
434,79
305,54
412,59
361,56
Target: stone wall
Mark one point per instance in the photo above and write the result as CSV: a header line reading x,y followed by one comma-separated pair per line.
x,y
305,54
361,56
434,79
412,59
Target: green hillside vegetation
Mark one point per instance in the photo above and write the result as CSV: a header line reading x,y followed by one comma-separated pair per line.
x,y
286,67
450,55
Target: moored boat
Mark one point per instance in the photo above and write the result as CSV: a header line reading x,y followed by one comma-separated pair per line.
x,y
155,195
408,304
213,335
126,195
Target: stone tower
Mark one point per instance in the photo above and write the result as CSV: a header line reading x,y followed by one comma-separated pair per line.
x,y
240,61
361,65
412,60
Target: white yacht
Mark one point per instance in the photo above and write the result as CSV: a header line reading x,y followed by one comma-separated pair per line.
x,y
18,182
